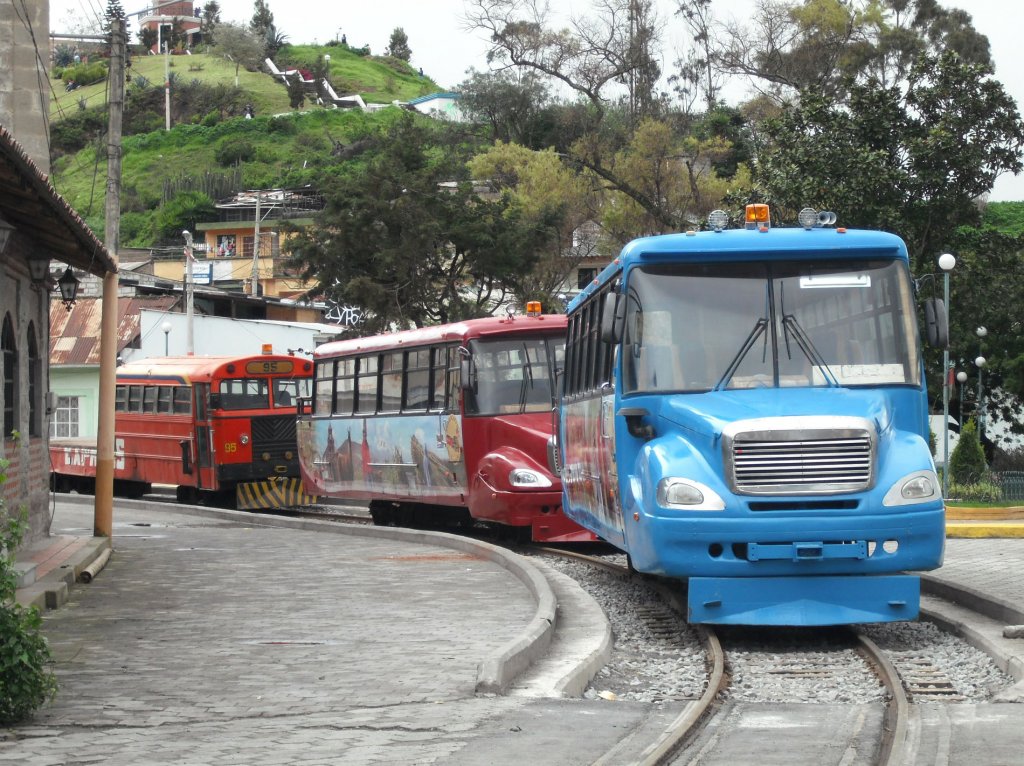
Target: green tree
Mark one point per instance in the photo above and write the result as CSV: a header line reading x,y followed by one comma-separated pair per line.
x,y
912,162
398,45
405,237
967,462
240,46
148,37
512,106
542,192
209,21
823,45
262,19
26,682
182,212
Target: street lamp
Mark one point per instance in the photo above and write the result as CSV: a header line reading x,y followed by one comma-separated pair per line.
x,y
981,332
961,378
166,327
946,262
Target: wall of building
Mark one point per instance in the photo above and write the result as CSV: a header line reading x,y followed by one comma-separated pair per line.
x,y
84,383
23,110
26,450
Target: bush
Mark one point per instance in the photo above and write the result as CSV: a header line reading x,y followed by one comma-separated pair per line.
x,y
283,125
85,74
26,682
232,150
75,131
182,212
967,463
978,492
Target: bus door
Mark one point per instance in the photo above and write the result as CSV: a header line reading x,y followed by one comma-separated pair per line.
x,y
203,453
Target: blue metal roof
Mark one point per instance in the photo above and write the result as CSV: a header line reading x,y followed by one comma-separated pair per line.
x,y
432,97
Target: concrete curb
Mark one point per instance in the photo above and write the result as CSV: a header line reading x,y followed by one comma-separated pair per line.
x,y
1008,654
993,608
573,684
51,590
494,673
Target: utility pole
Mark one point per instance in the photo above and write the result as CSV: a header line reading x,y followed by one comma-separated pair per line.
x,y
256,250
190,346
103,514
167,85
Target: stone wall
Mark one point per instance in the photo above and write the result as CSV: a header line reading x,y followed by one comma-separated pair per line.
x,y
24,56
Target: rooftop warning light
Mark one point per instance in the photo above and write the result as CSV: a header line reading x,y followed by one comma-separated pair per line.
x,y
533,308
757,216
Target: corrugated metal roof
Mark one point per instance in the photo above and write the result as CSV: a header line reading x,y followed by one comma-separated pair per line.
x,y
75,334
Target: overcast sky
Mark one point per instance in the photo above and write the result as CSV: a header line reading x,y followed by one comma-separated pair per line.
x,y
446,50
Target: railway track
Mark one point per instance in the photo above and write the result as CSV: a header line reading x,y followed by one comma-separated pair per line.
x,y
878,724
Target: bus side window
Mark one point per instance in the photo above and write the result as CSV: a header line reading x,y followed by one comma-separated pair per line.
x,y
452,402
135,398
121,399
164,395
182,400
149,396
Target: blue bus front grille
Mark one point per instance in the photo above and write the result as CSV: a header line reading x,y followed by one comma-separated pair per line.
x,y
781,461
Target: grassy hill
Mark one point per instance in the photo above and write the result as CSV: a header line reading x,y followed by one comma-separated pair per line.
x,y
378,79
210,147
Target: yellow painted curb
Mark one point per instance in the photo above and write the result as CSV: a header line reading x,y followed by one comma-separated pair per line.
x,y
965,529
983,515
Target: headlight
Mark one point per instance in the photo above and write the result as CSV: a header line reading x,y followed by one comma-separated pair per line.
x,y
524,477
244,438
917,487
689,495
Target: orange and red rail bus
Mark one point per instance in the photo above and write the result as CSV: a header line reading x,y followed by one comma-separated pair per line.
x,y
441,425
219,428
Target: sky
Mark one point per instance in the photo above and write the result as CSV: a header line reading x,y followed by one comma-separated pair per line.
x,y
445,49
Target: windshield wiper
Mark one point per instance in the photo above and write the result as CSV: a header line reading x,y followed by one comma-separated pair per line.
x,y
758,328
527,370
789,323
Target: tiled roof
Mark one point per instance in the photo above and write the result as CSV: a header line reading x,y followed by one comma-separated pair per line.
x,y
29,202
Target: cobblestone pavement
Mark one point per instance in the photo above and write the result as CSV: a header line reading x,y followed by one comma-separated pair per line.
x,y
208,641
994,567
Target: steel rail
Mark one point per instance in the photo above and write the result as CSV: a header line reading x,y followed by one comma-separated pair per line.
x,y
686,723
896,747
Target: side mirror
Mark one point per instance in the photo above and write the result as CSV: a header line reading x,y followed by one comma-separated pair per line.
x,y
936,323
613,315
466,373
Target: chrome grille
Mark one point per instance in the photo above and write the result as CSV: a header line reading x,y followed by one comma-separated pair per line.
x,y
776,456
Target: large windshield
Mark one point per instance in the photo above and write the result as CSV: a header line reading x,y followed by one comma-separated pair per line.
x,y
699,327
512,376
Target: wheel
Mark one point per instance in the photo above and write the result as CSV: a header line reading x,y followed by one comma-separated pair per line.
x,y
186,495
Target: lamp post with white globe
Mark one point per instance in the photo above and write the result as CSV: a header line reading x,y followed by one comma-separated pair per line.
x,y
980,363
166,327
961,378
946,262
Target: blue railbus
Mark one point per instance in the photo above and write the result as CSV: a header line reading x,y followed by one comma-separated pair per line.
x,y
746,409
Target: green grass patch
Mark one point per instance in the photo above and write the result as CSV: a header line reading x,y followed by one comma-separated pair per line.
x,y
283,156
378,79
265,93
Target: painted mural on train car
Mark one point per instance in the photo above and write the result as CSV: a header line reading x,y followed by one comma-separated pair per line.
x,y
403,455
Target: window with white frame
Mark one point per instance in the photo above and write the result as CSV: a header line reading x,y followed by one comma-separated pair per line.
x,y
65,418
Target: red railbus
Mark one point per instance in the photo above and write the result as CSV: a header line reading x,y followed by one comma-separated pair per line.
x,y
441,424
219,428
